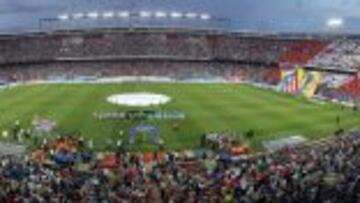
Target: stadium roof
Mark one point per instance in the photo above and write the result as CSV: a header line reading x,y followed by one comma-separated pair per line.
x,y
316,16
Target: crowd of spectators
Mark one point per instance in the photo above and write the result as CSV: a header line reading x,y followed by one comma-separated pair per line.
x,y
339,87
339,55
330,85
302,51
146,44
326,171
174,70
161,48
174,55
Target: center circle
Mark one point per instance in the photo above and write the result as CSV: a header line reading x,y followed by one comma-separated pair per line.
x,y
138,99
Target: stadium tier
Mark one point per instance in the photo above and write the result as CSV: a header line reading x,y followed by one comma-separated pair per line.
x,y
171,53
161,44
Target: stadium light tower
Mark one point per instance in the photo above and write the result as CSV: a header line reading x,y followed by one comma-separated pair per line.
x,y
145,14
78,16
176,15
191,15
123,14
160,14
129,16
205,16
108,14
93,15
334,23
63,16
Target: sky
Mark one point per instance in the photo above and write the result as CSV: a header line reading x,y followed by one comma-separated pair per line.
x,y
252,15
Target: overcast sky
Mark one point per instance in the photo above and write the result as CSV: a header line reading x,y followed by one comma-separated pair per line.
x,y
260,15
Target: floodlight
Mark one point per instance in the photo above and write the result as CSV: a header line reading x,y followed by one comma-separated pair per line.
x,y
145,14
78,15
63,17
205,16
108,14
191,15
160,14
176,15
93,15
124,14
334,22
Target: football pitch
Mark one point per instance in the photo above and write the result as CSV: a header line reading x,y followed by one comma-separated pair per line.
x,y
207,108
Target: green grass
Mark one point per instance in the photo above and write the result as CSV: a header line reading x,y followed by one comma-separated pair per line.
x,y
208,107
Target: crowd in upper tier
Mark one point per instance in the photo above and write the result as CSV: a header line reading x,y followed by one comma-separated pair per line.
x,y
341,54
167,45
327,171
174,70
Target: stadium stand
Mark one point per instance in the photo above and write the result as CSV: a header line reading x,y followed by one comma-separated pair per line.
x,y
352,87
341,54
300,52
176,54
180,55
145,44
69,169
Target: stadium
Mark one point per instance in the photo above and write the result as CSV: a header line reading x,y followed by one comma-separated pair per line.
x,y
174,113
